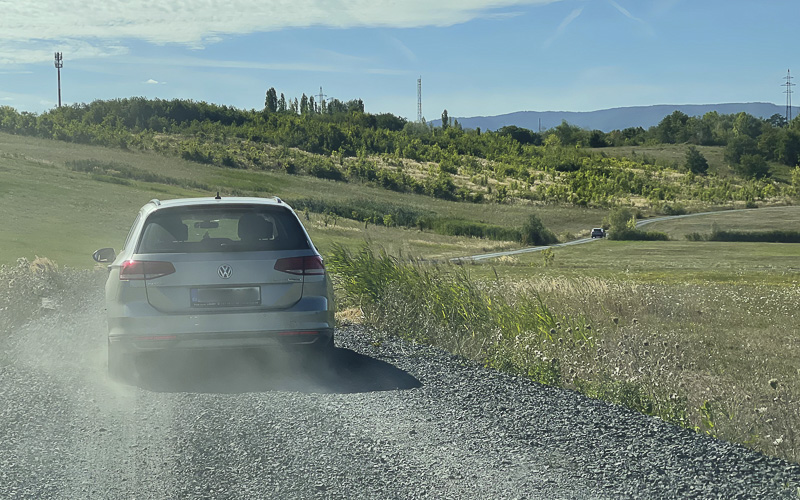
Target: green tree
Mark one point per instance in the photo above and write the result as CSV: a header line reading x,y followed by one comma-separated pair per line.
x,y
597,139
282,104
445,119
271,102
777,120
739,146
673,128
304,104
788,148
621,219
746,124
534,232
521,135
568,134
695,161
753,166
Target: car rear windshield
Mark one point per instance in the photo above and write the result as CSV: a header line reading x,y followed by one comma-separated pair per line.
x,y
221,228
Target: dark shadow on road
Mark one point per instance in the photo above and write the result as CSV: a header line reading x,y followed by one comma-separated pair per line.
x,y
344,371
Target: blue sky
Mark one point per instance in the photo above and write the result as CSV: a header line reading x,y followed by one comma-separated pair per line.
x,y
475,57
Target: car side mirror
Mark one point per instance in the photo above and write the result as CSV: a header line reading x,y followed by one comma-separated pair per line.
x,y
104,255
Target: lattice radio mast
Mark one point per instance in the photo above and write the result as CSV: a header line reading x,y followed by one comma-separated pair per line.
x,y
788,93
321,97
59,64
419,100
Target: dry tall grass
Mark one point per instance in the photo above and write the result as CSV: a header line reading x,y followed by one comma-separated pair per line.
x,y
723,359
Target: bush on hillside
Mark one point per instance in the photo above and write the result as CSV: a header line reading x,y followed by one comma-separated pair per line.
x,y
535,233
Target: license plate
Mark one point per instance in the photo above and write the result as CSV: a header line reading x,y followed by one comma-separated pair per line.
x,y
226,297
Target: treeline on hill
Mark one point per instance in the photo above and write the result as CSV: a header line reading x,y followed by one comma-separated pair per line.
x,y
339,141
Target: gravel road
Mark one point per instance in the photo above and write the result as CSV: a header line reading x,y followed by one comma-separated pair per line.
x,y
385,419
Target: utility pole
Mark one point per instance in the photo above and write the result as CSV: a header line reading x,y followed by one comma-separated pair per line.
x,y
321,100
419,100
59,65
788,93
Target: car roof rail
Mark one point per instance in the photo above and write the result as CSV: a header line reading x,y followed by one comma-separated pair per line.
x,y
155,201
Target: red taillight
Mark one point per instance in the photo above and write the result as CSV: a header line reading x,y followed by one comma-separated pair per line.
x,y
144,270
307,266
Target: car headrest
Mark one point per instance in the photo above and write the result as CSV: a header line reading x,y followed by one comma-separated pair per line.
x,y
176,228
254,227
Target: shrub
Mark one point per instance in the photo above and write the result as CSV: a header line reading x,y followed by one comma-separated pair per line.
x,y
621,219
696,237
326,170
757,236
535,233
695,162
637,235
676,209
752,166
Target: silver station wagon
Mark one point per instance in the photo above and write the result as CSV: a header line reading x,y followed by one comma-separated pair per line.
x,y
215,273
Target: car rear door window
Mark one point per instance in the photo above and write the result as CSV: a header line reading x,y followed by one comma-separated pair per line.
x,y
221,228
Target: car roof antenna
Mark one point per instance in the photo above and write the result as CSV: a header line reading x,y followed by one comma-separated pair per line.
x,y
218,197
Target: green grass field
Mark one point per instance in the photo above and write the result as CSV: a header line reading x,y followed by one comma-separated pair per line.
x,y
665,261
760,219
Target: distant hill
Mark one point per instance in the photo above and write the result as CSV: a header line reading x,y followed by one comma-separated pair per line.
x,y
615,118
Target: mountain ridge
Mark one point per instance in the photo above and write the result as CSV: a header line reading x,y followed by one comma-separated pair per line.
x,y
620,118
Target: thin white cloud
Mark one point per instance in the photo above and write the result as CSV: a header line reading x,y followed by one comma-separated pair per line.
x,y
627,14
503,15
403,49
151,82
198,22
38,51
6,98
199,62
563,26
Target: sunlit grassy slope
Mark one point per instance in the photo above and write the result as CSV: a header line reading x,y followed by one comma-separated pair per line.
x,y
50,210
761,219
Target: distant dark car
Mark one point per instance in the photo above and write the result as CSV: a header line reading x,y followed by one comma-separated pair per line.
x,y
598,232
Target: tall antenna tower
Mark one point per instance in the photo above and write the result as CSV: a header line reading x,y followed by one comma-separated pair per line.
x,y
320,101
59,64
419,100
788,93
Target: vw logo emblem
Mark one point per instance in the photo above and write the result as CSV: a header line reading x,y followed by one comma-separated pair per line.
x,y
224,271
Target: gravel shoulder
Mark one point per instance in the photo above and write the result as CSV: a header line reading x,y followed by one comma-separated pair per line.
x,y
384,419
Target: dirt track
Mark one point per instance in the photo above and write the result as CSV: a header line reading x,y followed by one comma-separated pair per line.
x,y
383,420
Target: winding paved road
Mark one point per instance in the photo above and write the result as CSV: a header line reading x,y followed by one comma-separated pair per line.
x,y
581,241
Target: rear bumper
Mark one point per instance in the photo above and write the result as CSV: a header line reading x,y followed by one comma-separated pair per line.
x,y
220,340
309,322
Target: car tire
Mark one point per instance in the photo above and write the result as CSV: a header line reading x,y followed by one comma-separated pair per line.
x,y
120,364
